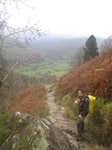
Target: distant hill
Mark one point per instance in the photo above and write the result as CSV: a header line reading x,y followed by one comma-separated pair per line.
x,y
50,47
60,46
11,51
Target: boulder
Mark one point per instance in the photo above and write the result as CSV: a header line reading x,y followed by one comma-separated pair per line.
x,y
32,133
28,134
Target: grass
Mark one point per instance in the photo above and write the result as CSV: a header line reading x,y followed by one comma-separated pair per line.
x,y
71,107
57,69
4,129
58,74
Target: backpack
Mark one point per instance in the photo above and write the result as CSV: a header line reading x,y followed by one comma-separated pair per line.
x,y
92,100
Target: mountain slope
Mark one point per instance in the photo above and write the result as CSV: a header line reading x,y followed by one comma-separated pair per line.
x,y
94,76
14,49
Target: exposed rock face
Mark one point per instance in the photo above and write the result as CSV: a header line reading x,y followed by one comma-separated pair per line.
x,y
58,140
29,134
32,134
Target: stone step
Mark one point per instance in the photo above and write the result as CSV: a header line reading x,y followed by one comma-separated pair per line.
x,y
69,136
51,119
74,143
78,145
46,121
61,118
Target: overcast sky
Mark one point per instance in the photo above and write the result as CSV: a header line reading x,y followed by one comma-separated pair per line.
x,y
73,18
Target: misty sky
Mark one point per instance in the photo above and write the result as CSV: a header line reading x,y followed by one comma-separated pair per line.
x,y
72,18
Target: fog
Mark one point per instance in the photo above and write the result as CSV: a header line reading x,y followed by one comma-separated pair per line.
x,y
69,18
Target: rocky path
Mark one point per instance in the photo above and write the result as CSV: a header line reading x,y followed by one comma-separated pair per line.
x,y
57,116
67,126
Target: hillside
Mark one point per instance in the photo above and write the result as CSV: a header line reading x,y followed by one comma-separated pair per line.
x,y
54,59
16,51
95,77
30,100
10,87
61,47
45,46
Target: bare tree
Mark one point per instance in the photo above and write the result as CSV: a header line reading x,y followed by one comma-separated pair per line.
x,y
25,33
107,43
78,57
21,35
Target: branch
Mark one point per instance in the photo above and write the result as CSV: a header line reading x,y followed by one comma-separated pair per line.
x,y
15,65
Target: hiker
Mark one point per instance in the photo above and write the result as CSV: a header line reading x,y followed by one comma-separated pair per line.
x,y
83,106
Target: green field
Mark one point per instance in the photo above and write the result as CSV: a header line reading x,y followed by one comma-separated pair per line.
x,y
45,70
57,55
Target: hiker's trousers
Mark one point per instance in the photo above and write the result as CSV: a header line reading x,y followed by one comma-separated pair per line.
x,y
80,125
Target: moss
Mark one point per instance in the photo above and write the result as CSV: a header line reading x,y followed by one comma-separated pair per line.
x,y
22,144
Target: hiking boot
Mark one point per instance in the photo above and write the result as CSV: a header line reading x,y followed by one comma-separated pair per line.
x,y
78,138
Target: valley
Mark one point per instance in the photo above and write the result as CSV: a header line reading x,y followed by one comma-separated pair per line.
x,y
54,61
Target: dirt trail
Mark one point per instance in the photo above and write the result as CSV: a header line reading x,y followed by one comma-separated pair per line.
x,y
66,125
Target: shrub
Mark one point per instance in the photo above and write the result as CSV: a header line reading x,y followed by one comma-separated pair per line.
x,y
41,112
99,112
100,125
10,89
93,76
30,100
4,129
